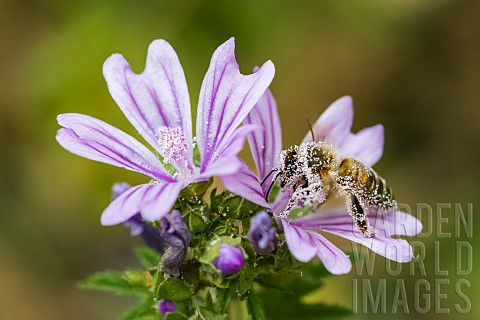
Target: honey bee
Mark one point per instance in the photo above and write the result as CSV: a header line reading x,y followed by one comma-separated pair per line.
x,y
315,169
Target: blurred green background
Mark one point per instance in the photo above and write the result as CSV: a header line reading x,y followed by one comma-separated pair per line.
x,y
412,65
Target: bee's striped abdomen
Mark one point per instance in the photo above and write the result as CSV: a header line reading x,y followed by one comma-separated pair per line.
x,y
366,184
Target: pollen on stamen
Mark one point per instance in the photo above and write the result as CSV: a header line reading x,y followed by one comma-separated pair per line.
x,y
173,144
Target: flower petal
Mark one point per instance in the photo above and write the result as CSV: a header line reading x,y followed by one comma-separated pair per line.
x,y
334,126
304,245
245,184
222,167
334,123
96,140
404,224
280,203
266,144
227,162
398,223
225,100
152,201
158,97
391,248
366,145
384,226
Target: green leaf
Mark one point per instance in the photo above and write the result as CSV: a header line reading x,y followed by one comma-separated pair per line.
x,y
148,257
281,305
174,289
245,280
223,297
203,313
275,282
141,309
254,306
175,316
113,282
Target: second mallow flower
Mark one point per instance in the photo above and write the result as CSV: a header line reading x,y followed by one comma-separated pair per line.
x,y
229,260
262,235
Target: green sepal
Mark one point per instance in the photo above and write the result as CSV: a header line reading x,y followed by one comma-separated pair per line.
x,y
194,192
197,217
211,250
236,207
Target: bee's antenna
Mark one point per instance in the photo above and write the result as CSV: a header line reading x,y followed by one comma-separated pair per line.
x,y
271,184
311,129
268,175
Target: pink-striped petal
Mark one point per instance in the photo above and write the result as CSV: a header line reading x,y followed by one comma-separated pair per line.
x,y
366,145
96,140
305,244
334,123
385,226
156,98
226,98
334,126
398,223
152,201
245,184
227,162
280,203
265,145
391,248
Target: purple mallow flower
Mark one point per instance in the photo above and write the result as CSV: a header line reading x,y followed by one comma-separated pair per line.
x,y
165,306
157,104
262,235
229,260
176,233
301,235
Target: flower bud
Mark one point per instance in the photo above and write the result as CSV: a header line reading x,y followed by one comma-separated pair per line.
x,y
262,235
229,260
178,236
119,188
165,306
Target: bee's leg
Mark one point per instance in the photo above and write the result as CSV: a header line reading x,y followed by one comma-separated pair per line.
x,y
318,195
359,216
